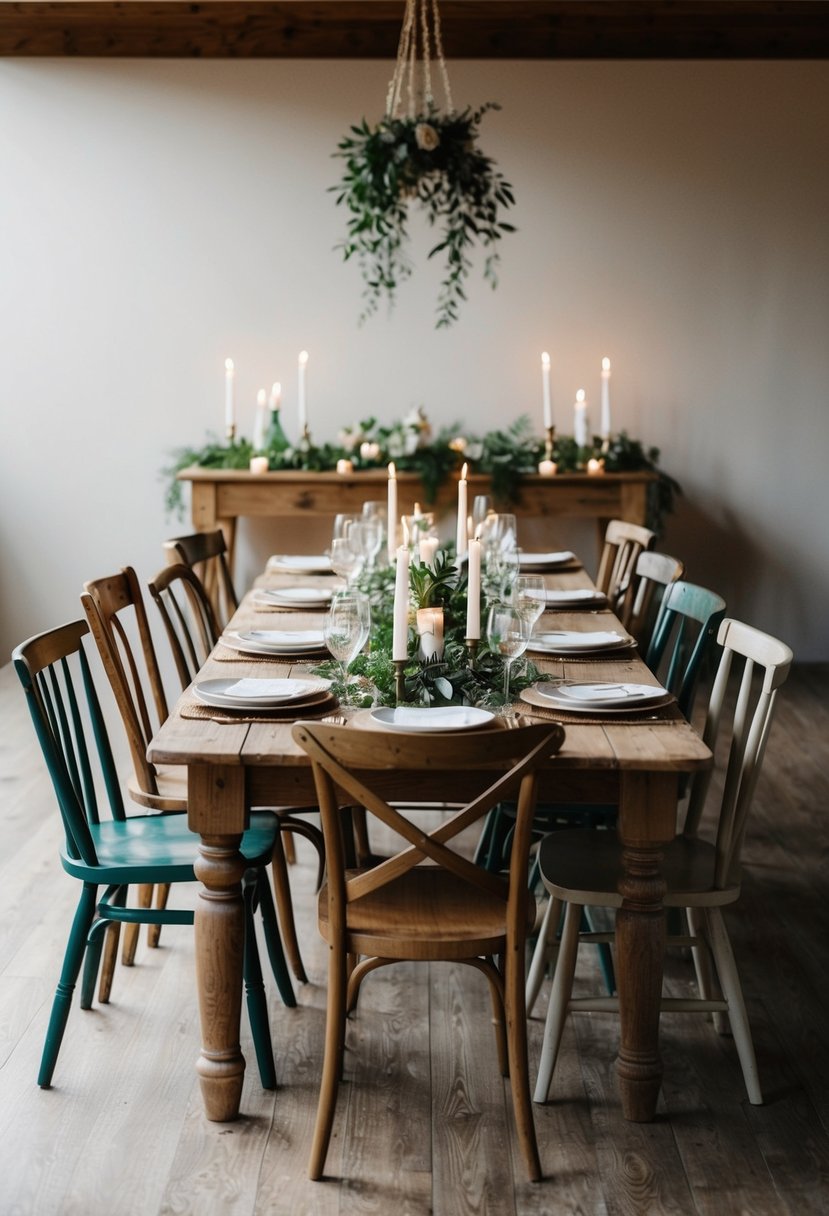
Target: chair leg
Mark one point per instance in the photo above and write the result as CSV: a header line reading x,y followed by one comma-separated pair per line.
x,y
332,1059
162,894
72,960
559,1001
255,996
110,953
733,993
545,949
273,941
605,955
699,953
290,851
519,1068
144,898
285,906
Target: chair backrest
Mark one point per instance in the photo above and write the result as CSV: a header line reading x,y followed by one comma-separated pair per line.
x,y
206,555
111,605
355,763
188,618
641,602
55,674
683,636
765,667
623,542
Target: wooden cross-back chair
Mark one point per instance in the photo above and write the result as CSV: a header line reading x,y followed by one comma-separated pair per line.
x,y
191,628
206,555
702,875
623,542
446,909
103,847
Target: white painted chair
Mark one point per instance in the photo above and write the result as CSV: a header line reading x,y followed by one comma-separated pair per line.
x,y
639,607
582,868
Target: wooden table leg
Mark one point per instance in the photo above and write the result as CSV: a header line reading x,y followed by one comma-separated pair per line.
x,y
647,821
220,939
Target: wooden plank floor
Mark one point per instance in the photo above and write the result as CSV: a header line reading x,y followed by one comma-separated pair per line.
x,y
423,1124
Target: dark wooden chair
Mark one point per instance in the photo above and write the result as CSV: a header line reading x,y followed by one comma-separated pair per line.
x,y
206,555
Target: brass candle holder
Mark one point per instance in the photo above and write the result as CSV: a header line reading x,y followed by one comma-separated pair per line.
x,y
472,645
230,432
400,680
549,443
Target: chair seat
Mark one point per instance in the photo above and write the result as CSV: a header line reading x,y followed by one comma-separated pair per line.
x,y
172,790
584,867
427,913
162,848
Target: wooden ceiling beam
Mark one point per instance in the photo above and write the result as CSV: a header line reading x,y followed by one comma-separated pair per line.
x,y
472,29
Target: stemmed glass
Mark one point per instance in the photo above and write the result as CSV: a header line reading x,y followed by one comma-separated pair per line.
x,y
344,561
529,596
365,538
346,629
481,506
508,632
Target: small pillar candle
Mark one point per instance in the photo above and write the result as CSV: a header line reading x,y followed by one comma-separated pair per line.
x,y
258,464
430,632
345,466
595,467
547,468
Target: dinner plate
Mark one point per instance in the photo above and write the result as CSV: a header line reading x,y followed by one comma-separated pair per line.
x,y
255,693
300,563
585,697
432,720
575,595
571,641
297,597
561,558
275,641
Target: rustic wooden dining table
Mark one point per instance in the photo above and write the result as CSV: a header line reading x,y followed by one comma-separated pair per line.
x,y
234,765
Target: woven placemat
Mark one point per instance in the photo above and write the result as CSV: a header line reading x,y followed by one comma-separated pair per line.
x,y
668,713
226,654
206,713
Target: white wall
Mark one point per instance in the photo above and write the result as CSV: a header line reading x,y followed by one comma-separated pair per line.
x,y
156,217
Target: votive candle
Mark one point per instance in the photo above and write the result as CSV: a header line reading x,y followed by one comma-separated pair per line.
x,y
258,464
547,468
345,466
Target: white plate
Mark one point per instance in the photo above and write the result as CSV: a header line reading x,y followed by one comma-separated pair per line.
x,y
561,558
576,595
300,563
602,695
299,597
438,718
570,641
253,693
275,641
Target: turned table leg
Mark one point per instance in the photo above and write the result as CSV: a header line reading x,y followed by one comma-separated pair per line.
x,y
218,794
647,821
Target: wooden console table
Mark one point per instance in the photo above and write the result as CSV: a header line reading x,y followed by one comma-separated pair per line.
x,y
220,496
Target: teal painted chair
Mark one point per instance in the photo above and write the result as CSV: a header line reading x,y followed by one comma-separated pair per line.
x,y
113,851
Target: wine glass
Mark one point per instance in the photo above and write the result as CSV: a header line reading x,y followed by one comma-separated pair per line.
x,y
502,566
346,629
529,596
342,524
365,538
508,632
344,561
481,507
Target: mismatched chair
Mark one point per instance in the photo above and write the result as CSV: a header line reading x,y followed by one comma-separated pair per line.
x,y
640,605
623,542
206,555
191,628
445,909
582,868
115,850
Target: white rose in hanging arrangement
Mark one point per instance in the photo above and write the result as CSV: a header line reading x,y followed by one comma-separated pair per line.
x,y
433,158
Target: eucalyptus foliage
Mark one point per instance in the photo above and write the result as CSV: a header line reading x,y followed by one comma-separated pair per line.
x,y
434,159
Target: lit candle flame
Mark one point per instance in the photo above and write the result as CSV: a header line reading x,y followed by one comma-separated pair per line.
x,y
463,472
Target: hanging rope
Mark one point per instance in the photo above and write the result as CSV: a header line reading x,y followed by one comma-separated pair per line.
x,y
415,43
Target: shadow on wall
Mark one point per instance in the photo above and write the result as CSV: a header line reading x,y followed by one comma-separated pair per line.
x,y
756,577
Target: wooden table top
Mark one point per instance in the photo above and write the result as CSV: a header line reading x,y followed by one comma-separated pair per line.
x,y
661,744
